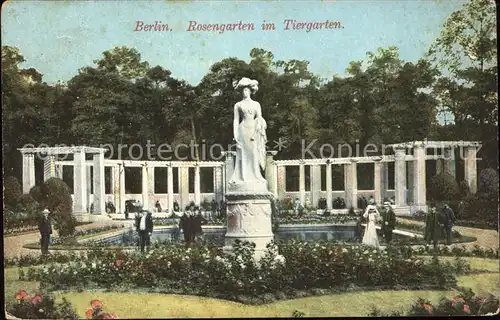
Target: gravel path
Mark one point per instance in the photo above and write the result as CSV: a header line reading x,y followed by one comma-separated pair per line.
x,y
13,245
485,237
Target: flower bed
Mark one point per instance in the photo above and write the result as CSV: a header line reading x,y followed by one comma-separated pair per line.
x,y
462,223
27,228
40,306
317,219
73,239
476,251
43,306
206,270
465,304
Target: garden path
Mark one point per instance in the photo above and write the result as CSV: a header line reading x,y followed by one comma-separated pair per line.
x,y
14,246
485,237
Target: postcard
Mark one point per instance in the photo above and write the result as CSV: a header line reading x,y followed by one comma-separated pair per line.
x,y
250,158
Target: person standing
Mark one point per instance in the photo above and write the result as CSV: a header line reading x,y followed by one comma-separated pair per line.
x,y
198,220
448,220
388,222
432,227
185,226
145,229
371,214
45,227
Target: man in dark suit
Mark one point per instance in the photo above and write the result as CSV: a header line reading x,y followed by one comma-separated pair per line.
x,y
185,226
198,220
448,217
432,227
45,227
145,228
388,222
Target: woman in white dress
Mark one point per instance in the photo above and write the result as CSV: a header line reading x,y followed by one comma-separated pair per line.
x,y
370,237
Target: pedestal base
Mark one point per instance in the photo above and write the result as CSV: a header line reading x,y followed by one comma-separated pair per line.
x,y
249,219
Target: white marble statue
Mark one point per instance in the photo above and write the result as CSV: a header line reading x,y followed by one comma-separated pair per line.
x,y
249,129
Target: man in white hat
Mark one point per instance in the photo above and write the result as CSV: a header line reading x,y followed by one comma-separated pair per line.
x,y
45,227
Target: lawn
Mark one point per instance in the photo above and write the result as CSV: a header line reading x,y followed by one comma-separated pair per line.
x,y
155,305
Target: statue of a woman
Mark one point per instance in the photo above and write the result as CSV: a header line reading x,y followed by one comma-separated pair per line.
x,y
249,129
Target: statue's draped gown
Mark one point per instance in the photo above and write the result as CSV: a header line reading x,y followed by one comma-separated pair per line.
x,y
251,136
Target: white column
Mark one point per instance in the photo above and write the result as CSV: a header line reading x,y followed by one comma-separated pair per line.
x,y
281,181
184,186
115,187
89,179
197,187
329,186
228,168
151,188
470,168
400,176
302,183
271,173
377,182
121,170
49,167
80,183
315,184
145,187
28,172
351,184
449,161
419,171
170,187
99,184
385,179
218,182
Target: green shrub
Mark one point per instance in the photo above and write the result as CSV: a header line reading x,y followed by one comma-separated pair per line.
x,y
303,268
443,187
488,182
463,186
480,207
27,204
11,191
54,195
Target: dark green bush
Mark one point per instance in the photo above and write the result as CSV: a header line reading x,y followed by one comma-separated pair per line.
x,y
443,187
11,191
488,182
27,204
54,195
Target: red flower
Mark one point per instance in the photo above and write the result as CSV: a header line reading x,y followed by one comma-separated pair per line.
x,y
109,316
466,308
36,299
89,313
427,307
22,295
96,304
456,300
118,262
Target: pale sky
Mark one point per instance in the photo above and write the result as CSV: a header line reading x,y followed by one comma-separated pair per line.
x,y
59,37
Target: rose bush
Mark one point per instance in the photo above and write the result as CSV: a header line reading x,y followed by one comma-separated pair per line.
x,y
464,304
206,270
40,306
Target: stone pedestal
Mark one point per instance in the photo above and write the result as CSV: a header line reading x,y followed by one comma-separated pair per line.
x,y
249,219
